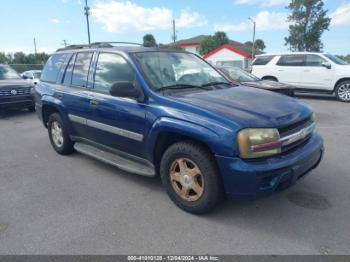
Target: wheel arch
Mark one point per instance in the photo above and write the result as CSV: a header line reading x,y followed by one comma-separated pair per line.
x,y
339,81
266,77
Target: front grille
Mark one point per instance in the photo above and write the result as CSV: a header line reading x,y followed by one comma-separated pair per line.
x,y
292,129
19,92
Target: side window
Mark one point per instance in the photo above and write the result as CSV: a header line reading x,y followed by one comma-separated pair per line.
x,y
52,67
263,60
291,60
69,71
314,60
111,68
81,69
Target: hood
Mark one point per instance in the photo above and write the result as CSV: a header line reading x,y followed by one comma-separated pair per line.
x,y
267,84
249,107
14,83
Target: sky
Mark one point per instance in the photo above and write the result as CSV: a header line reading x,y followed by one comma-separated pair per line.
x,y
52,21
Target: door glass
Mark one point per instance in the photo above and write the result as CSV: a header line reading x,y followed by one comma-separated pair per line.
x,y
314,60
52,67
111,68
291,60
81,69
69,70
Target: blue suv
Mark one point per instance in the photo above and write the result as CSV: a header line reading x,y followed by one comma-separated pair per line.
x,y
153,111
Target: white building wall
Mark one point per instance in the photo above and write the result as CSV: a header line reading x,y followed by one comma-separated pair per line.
x,y
192,49
227,57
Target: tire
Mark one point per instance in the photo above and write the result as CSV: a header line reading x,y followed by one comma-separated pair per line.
x,y
31,108
195,158
270,78
60,140
342,91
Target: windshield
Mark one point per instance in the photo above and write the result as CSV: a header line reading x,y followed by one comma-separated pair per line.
x,y
166,69
336,59
240,75
7,72
37,75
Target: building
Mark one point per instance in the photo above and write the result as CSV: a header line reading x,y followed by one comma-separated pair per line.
x,y
234,53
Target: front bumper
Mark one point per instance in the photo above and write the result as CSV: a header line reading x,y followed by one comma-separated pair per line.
x,y
255,178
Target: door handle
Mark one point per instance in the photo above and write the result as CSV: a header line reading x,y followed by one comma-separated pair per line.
x,y
94,102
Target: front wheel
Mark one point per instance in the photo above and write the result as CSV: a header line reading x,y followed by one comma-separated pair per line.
x,y
190,177
342,91
58,135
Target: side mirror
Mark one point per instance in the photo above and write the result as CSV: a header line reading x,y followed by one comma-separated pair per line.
x,y
125,89
327,65
24,77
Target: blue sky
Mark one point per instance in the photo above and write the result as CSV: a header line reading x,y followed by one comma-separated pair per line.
x,y
52,21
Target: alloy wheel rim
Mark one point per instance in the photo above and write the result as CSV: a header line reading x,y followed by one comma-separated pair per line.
x,y
57,134
344,92
186,179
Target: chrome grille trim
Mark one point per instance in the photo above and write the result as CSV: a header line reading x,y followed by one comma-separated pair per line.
x,y
19,91
301,134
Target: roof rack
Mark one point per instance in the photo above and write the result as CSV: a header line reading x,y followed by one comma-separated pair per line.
x,y
97,45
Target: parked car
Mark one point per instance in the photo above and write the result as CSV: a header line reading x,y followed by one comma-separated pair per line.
x,y
238,76
154,111
14,91
308,72
32,75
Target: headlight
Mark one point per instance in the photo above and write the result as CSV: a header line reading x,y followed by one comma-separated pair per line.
x,y
259,142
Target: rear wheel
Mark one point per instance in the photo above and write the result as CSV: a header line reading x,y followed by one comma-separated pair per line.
x,y
58,135
190,177
342,91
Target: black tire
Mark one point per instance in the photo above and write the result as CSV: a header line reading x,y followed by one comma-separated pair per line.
x,y
31,108
66,147
212,187
342,91
270,78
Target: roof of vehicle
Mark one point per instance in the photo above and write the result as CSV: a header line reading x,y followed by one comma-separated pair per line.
x,y
290,53
109,47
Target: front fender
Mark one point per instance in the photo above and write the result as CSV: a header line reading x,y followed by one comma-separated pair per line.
x,y
220,141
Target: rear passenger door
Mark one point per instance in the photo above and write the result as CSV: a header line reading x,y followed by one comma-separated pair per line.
x,y
118,122
75,94
289,69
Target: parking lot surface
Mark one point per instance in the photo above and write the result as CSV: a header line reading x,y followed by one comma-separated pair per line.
x,y
52,204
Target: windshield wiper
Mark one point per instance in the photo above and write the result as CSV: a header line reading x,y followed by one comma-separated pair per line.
x,y
216,83
181,86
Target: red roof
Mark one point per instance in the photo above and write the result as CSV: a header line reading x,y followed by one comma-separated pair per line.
x,y
229,47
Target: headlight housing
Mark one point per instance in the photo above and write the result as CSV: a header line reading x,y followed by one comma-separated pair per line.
x,y
259,142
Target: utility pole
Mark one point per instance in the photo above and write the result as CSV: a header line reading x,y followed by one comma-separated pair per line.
x,y
174,32
65,43
87,13
254,28
35,50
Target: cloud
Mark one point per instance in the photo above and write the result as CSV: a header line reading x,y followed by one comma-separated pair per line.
x,y
341,16
118,16
265,21
55,21
261,2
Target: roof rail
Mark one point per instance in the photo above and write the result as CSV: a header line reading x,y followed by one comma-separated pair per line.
x,y
110,44
97,45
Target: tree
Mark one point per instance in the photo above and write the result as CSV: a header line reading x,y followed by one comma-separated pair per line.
x,y
259,45
212,42
149,40
309,21
207,45
220,38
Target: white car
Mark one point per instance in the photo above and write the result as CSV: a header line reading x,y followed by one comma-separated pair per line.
x,y
32,75
308,72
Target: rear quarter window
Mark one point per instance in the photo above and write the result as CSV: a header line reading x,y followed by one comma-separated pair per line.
x,y
263,60
53,67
